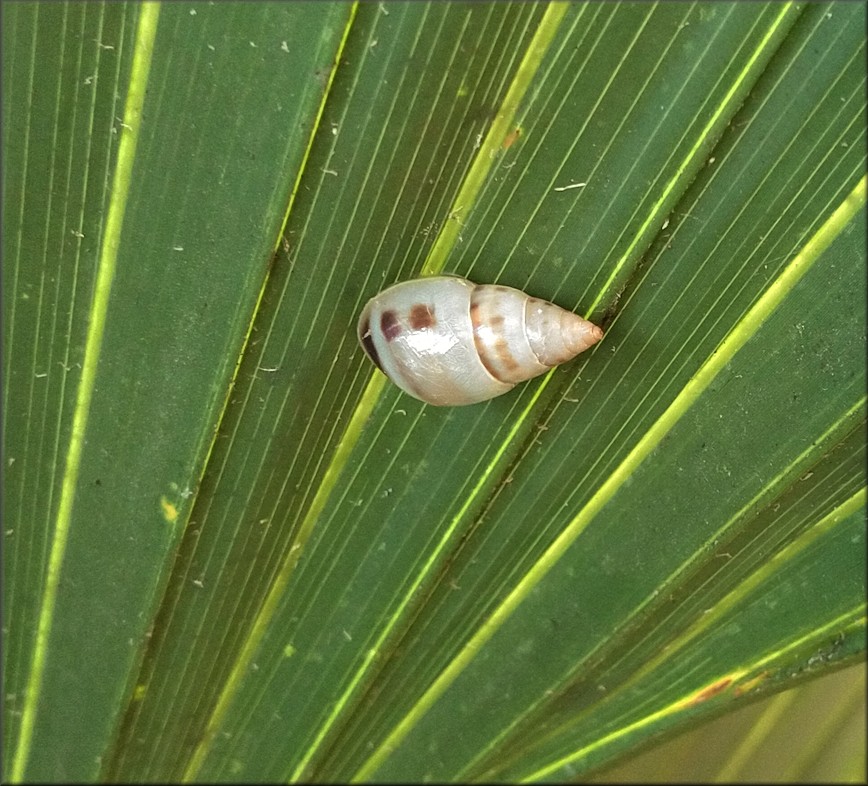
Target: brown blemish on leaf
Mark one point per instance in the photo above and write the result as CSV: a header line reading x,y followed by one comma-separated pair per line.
x,y
511,138
712,690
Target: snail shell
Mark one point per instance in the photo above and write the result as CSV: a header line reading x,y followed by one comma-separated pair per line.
x,y
448,341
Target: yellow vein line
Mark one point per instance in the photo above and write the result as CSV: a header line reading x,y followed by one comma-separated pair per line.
x,y
729,601
488,150
702,139
817,445
752,582
797,466
263,289
445,240
316,122
370,397
844,621
204,742
396,617
691,392
142,55
344,448
260,297
696,150
275,594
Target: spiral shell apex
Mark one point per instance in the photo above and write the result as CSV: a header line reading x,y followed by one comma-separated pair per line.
x,y
449,342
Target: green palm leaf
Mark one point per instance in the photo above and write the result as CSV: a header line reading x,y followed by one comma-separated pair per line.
x,y
235,552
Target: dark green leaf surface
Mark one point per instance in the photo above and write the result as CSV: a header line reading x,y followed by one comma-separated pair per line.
x,y
345,583
397,127
208,191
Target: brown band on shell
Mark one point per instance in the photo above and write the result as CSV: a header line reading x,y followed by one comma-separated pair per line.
x,y
505,356
501,347
389,325
422,316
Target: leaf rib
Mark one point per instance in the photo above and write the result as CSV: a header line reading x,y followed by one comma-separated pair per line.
x,y
691,392
142,55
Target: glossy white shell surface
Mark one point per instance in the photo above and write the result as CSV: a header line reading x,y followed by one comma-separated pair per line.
x,y
448,341
438,364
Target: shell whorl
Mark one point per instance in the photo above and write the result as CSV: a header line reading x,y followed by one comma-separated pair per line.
x,y
448,341
557,335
